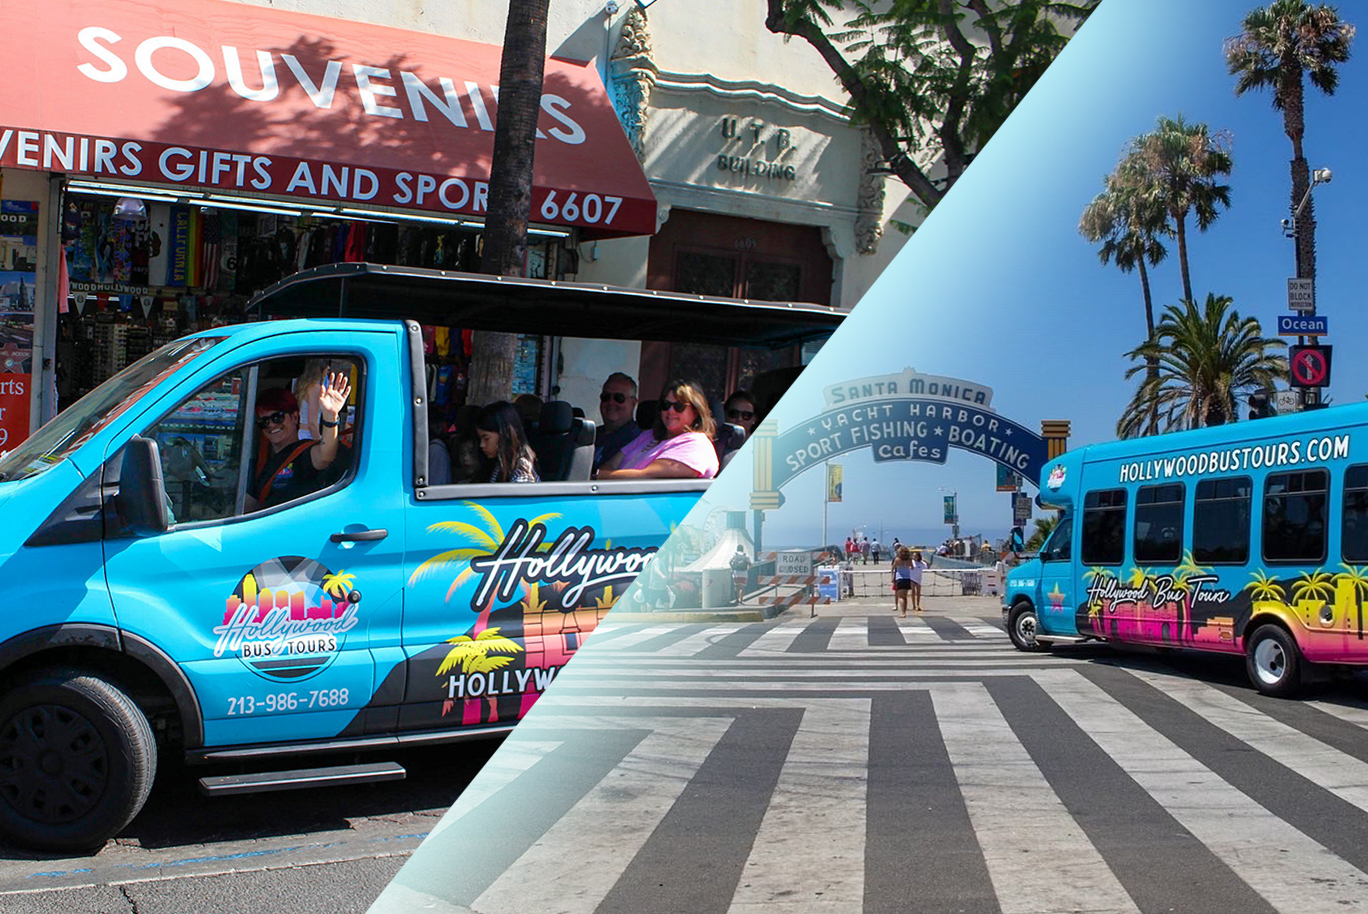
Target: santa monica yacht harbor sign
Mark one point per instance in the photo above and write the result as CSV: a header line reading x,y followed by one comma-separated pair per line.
x,y
905,416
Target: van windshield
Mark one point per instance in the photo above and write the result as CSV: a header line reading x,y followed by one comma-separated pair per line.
x,y
87,416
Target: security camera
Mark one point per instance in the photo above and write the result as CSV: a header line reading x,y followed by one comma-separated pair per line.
x,y
1322,176
1287,225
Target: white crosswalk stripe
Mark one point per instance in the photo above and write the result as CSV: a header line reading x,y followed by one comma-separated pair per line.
x,y
1015,814
821,786
687,647
609,824
1283,865
776,640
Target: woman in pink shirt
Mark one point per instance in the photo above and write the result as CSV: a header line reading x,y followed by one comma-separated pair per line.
x,y
680,444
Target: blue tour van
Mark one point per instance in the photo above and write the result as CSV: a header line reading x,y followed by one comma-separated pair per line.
x,y
169,609
1249,539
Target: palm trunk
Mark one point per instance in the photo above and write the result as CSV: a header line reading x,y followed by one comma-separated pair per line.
x,y
521,73
1151,361
1180,222
1294,125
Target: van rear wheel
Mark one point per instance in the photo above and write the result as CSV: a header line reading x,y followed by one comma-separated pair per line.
x,y
1273,662
77,759
1022,627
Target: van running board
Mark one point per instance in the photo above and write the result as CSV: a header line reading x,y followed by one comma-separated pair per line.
x,y
263,781
1073,639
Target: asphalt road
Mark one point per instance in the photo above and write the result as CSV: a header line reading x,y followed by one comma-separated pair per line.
x,y
855,762
323,850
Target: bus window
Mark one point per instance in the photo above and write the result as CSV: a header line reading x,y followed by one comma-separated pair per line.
x,y
1294,517
1220,521
1354,534
1159,524
1104,527
1057,549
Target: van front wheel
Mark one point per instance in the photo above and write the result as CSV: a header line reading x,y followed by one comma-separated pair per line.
x,y
1022,627
77,759
1273,661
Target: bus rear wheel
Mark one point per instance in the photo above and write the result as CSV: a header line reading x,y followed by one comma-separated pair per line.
x,y
1022,627
1273,662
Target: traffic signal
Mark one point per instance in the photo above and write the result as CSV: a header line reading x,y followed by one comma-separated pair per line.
x,y
1260,406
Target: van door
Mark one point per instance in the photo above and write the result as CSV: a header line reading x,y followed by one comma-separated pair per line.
x,y
272,608
1057,581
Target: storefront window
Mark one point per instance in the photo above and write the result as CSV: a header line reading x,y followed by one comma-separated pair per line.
x,y
138,283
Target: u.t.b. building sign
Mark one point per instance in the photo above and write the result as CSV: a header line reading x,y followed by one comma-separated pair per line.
x,y
905,416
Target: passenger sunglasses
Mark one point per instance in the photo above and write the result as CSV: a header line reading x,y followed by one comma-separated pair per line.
x,y
677,405
740,414
275,418
615,397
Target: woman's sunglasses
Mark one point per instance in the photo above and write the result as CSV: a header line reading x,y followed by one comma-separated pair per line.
x,y
275,418
745,414
677,405
615,397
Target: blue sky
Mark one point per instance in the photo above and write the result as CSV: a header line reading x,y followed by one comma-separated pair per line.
x,y
998,287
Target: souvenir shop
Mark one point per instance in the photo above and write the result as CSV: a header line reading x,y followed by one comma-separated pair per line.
x,y
179,160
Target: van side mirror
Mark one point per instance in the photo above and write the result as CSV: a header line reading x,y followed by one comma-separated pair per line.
x,y
141,502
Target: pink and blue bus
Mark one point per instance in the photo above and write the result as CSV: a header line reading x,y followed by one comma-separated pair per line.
x,y
1247,539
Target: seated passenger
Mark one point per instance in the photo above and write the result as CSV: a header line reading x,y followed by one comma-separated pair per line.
x,y
679,446
295,467
504,443
617,406
439,457
740,410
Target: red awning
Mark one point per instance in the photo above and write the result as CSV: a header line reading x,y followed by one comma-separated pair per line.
x,y
242,99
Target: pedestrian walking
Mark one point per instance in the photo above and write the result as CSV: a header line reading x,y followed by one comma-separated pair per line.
x,y
916,568
740,569
875,549
902,580
850,549
864,551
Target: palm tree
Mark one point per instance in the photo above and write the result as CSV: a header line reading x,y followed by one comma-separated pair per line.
x,y
1314,586
1264,588
1277,46
484,540
1177,166
1128,223
339,584
1208,358
472,654
1044,526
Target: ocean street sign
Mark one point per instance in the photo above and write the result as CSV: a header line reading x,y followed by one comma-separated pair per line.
x,y
1303,325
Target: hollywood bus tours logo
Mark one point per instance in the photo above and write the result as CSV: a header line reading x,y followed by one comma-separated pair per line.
x,y
287,619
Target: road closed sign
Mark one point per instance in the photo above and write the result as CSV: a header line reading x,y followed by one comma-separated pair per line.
x,y
793,563
1309,366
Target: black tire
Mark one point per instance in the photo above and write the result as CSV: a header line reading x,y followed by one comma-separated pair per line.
x,y
1022,625
1273,662
77,759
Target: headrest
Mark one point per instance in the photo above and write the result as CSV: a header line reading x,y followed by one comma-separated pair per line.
x,y
556,418
646,413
